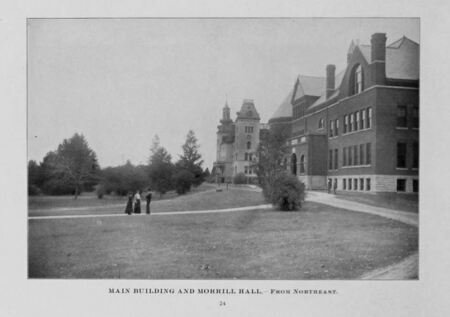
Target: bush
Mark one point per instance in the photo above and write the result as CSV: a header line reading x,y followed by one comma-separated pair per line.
x,y
286,192
33,190
182,181
240,178
100,190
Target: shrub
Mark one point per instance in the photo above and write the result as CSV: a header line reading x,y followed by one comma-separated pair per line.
x,y
286,192
100,190
33,190
182,181
240,178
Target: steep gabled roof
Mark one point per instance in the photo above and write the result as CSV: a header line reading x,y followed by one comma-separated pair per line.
x,y
323,97
309,86
285,108
402,59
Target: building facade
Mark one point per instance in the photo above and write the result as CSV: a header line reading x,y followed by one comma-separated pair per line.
x,y
357,130
237,142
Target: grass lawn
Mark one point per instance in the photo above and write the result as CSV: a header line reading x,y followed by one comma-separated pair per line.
x,y
90,199
319,242
199,200
403,202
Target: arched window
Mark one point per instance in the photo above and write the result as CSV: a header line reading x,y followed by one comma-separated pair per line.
x,y
356,80
294,164
302,164
249,145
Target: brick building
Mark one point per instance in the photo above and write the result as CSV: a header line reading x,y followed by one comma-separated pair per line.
x,y
237,142
358,128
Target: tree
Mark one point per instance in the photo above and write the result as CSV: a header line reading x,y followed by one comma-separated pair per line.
x,y
34,178
75,163
182,181
271,153
191,160
125,178
160,168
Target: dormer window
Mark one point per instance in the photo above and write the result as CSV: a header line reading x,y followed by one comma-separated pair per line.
x,y
356,80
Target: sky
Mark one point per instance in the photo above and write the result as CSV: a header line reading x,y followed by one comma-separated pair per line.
x,y
119,82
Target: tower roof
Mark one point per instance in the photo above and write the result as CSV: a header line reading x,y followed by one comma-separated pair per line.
x,y
248,110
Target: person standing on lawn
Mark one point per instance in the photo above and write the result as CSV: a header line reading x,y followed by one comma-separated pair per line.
x,y
129,207
335,186
148,198
329,185
137,202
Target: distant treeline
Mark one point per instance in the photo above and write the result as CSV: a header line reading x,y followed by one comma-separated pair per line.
x,y
73,168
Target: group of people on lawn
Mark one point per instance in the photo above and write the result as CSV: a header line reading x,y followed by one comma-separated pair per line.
x,y
134,202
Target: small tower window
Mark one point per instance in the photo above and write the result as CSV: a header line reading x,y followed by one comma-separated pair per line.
x,y
356,80
249,145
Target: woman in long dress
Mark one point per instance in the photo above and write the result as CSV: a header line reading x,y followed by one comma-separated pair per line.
x,y
129,208
137,203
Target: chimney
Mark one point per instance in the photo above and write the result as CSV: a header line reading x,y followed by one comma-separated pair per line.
x,y
330,80
378,58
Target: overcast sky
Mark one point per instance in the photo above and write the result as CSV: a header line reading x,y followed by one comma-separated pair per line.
x,y
121,81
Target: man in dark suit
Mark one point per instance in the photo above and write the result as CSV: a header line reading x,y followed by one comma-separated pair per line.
x,y
148,198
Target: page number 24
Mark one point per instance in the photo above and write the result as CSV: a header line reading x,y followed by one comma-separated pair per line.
x,y
222,303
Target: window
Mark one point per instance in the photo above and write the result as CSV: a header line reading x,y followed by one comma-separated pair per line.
x,y
344,157
416,117
368,153
350,127
363,119
355,184
369,118
336,127
361,184
249,145
356,80
361,154
349,184
355,155
321,123
302,164
368,184
330,159
415,185
401,185
294,164
246,169
401,117
401,154
331,128
345,123
357,126
350,156
336,159
415,155
344,184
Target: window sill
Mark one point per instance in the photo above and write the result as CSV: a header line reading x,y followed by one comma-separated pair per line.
x,y
357,166
333,137
401,128
401,168
353,132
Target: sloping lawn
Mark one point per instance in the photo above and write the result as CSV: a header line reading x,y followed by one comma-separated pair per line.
x,y
319,242
403,202
202,200
91,200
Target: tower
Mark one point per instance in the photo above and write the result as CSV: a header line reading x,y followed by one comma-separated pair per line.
x,y
246,131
